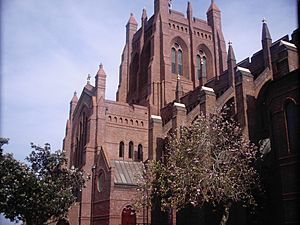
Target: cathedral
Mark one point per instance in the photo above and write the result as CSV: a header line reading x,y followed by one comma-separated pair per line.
x,y
173,67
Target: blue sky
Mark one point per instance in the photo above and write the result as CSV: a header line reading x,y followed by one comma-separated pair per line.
x,y
49,47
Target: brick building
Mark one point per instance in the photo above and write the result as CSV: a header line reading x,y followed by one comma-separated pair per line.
x,y
174,67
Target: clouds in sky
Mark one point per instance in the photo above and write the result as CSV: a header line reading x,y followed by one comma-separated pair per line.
x,y
49,47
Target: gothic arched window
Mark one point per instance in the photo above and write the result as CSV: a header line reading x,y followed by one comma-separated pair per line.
x,y
121,149
180,66
204,66
130,151
201,65
140,153
81,140
198,63
173,55
177,59
292,125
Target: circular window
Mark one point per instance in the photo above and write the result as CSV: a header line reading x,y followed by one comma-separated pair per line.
x,y
101,180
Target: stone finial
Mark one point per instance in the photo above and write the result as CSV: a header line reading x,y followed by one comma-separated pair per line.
x,y
231,55
74,99
179,90
88,79
101,71
144,14
264,20
132,20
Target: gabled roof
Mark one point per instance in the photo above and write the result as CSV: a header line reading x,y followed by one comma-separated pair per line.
x,y
127,172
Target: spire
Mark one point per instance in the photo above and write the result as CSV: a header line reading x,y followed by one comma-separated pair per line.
x,y
266,41
132,20
213,7
144,17
101,71
179,91
144,14
265,30
73,104
231,64
189,10
231,56
74,99
100,82
131,28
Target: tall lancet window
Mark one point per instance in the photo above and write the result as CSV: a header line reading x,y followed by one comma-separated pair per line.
x,y
292,125
204,70
121,149
130,151
173,53
177,59
201,65
198,63
180,72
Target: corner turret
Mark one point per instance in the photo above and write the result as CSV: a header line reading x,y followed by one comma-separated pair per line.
x,y
131,28
214,20
100,83
161,6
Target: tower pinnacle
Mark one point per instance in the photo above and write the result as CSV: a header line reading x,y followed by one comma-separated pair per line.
x,y
231,56
265,30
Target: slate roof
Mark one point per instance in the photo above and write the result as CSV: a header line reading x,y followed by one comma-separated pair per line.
x,y
126,172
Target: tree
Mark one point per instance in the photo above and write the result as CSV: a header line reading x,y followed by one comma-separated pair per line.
x,y
208,162
40,191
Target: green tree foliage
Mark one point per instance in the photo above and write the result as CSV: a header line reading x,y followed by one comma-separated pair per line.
x,y
207,162
39,191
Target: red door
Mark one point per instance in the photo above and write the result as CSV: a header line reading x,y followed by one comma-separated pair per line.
x,y
128,216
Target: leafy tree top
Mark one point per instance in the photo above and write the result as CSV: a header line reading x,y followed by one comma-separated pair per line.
x,y
209,161
39,191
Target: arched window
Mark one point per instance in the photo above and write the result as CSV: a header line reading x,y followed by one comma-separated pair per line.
x,y
180,71
121,149
140,153
130,151
81,140
101,180
173,55
292,125
177,59
201,65
198,66
204,70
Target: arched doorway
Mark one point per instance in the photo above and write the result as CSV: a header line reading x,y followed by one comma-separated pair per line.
x,y
128,216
